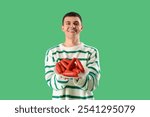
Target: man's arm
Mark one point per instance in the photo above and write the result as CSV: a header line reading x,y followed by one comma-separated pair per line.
x,y
53,80
91,79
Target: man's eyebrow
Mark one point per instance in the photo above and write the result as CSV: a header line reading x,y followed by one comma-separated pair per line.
x,y
69,21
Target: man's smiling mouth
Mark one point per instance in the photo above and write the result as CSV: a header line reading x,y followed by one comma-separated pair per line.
x,y
72,30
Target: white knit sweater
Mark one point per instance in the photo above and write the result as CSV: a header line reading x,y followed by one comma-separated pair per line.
x,y
72,88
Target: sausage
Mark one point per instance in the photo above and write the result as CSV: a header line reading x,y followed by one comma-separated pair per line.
x,y
70,73
61,66
73,66
70,65
68,61
64,64
58,68
76,70
80,66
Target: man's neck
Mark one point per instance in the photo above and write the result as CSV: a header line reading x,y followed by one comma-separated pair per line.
x,y
71,42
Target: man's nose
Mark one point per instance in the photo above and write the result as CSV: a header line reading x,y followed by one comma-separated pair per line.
x,y
72,25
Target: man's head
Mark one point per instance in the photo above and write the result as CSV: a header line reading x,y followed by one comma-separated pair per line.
x,y
72,24
71,14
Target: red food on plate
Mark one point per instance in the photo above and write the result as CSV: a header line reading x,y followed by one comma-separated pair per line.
x,y
61,66
80,66
70,73
76,70
70,65
58,68
69,68
64,64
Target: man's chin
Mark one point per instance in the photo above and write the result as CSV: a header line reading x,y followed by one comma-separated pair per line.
x,y
73,32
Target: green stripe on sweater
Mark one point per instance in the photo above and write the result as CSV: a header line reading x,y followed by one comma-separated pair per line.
x,y
85,83
90,47
47,52
93,69
93,81
48,72
73,97
55,82
49,66
73,87
60,81
92,63
49,82
81,59
81,51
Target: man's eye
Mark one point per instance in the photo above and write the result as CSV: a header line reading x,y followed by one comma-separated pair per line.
x,y
76,23
67,23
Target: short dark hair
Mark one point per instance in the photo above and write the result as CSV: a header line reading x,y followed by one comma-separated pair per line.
x,y
71,14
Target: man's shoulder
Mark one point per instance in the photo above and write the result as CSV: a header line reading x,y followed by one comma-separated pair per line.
x,y
52,48
91,48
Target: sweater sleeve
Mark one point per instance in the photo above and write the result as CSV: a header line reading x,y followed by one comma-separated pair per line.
x,y
91,78
53,80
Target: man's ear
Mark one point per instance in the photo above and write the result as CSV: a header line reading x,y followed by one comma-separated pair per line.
x,y
82,28
62,28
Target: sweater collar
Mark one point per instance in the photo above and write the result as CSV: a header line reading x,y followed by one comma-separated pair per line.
x,y
77,47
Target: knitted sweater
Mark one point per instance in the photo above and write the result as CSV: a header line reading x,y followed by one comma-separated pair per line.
x,y
82,88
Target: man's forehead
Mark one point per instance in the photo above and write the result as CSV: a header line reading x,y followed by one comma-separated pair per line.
x,y
72,18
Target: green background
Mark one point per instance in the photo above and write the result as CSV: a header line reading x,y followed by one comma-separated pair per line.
x,y
119,29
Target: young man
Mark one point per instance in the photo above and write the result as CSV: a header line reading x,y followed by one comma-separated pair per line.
x,y
73,88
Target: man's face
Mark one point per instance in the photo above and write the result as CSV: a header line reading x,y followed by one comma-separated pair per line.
x,y
72,26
